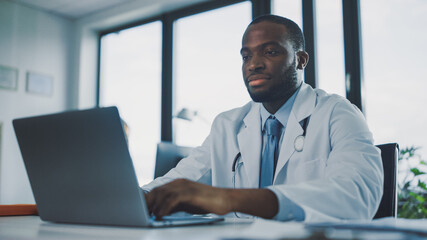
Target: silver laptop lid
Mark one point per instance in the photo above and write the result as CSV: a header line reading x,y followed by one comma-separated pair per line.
x,y
80,168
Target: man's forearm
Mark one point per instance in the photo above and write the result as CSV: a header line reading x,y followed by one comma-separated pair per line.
x,y
257,202
193,197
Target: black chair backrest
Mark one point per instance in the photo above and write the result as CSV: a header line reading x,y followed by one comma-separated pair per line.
x,y
168,156
389,156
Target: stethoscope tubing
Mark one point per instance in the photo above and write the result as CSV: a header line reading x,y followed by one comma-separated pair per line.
x,y
239,154
233,167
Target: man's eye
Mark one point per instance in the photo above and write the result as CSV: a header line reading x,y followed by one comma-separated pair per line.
x,y
245,58
271,52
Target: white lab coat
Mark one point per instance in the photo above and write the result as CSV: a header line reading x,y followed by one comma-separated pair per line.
x,y
338,175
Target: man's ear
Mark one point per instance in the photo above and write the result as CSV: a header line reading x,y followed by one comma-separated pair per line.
x,y
302,59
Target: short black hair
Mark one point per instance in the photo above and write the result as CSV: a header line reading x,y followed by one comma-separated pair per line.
x,y
295,33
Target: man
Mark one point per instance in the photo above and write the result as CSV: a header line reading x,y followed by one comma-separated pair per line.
x,y
294,153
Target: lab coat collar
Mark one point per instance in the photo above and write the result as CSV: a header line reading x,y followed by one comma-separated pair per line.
x,y
304,105
305,102
282,114
250,144
250,136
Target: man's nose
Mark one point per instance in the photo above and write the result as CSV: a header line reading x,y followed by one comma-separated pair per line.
x,y
256,63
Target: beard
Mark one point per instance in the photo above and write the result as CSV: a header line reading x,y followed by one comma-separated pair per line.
x,y
288,86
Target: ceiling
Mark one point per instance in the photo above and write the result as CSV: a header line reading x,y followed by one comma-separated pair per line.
x,y
74,9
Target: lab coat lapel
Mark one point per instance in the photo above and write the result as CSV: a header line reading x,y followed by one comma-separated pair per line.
x,y
250,143
303,107
293,130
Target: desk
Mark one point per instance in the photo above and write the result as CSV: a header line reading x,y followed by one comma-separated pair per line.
x,y
31,227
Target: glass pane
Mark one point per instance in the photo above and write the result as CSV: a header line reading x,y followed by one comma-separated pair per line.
x,y
291,9
330,46
131,80
394,45
207,63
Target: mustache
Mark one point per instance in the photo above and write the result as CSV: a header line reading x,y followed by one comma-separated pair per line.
x,y
257,74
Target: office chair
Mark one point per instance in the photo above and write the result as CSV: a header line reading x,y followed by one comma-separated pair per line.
x,y
168,156
388,204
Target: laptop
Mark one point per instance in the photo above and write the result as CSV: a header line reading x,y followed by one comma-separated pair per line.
x,y
80,170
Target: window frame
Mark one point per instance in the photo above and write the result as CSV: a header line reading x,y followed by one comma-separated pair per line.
x,y
259,7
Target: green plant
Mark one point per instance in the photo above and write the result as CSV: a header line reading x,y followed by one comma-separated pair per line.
x,y
412,195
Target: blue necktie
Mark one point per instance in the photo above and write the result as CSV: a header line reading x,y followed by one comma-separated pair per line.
x,y
269,156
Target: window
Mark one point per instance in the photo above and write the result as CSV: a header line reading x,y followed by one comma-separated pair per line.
x,y
330,47
130,78
395,72
207,66
289,9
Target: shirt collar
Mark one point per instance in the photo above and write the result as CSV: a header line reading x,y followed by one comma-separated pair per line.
x,y
282,114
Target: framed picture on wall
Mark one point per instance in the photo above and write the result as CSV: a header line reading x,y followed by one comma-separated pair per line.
x,y
39,83
8,78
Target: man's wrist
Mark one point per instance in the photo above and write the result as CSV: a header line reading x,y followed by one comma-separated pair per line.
x,y
230,200
258,202
287,209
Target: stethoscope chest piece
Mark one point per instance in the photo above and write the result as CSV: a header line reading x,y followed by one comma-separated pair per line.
x,y
299,143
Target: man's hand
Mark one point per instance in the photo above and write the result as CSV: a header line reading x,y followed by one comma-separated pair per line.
x,y
188,196
193,197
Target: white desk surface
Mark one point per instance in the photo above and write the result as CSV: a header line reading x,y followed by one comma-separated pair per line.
x,y
31,227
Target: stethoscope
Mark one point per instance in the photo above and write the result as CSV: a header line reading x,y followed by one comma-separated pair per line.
x,y
298,146
299,140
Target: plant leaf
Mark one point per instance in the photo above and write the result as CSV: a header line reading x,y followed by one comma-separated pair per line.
x,y
417,172
406,186
422,185
419,198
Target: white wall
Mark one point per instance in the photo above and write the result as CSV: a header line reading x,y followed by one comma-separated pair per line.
x,y
30,40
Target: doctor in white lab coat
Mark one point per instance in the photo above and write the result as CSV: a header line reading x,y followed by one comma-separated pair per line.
x,y
327,168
